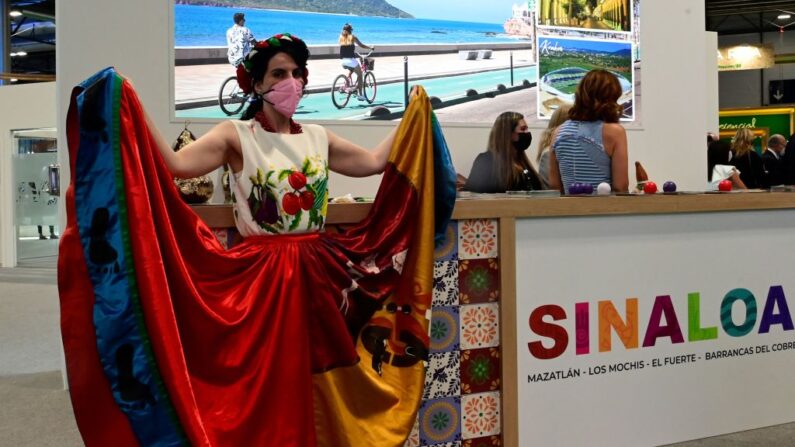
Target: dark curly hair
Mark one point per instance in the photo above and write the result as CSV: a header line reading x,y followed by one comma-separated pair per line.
x,y
596,98
256,63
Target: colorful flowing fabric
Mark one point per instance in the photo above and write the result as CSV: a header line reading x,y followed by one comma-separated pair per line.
x,y
171,339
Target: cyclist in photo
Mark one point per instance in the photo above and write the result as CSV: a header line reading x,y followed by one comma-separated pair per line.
x,y
239,40
348,43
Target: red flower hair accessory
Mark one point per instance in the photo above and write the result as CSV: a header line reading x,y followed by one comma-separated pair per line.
x,y
244,80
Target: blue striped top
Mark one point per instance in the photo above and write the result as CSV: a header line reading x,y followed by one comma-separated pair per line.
x,y
581,154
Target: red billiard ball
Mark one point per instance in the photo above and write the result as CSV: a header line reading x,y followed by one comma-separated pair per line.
x,y
725,185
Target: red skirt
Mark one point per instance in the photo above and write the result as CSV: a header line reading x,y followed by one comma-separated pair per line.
x,y
292,340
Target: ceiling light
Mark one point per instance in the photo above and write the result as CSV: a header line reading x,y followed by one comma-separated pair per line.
x,y
22,53
784,16
15,14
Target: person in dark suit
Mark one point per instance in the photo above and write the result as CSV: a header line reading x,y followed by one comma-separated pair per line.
x,y
788,161
773,160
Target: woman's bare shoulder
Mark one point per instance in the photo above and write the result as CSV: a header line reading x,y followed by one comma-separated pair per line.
x,y
614,128
613,131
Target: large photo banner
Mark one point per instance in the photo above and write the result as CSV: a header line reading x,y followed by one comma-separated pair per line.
x,y
475,59
649,330
575,36
465,54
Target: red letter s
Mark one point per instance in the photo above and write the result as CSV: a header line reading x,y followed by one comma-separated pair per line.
x,y
557,333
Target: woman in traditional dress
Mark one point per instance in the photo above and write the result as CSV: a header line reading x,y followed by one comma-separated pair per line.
x,y
294,337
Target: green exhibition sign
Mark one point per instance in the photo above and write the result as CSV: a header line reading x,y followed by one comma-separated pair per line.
x,y
763,122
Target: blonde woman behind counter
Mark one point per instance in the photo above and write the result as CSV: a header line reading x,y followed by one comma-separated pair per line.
x,y
559,116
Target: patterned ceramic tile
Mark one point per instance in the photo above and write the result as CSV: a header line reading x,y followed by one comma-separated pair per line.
x,y
448,251
480,415
444,329
222,234
477,239
478,280
445,283
440,421
480,370
442,377
480,326
414,437
489,441
233,238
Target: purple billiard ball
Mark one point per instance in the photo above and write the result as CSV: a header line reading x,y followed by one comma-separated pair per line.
x,y
574,188
669,186
587,188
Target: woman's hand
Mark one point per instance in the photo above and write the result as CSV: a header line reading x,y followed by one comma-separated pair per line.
x,y
415,91
460,182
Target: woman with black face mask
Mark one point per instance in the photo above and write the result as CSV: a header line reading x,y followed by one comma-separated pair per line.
x,y
505,166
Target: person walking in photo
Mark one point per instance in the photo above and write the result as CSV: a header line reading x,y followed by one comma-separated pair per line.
x,y
239,40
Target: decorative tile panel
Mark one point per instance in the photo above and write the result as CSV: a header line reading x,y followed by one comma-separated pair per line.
x,y
477,239
480,415
442,376
489,441
448,251
414,437
480,370
222,234
228,237
461,399
440,421
445,283
478,281
480,326
444,329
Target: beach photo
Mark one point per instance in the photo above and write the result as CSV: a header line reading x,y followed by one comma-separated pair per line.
x,y
461,52
564,62
600,15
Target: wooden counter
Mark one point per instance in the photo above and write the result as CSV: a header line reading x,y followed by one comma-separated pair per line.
x,y
678,240
220,216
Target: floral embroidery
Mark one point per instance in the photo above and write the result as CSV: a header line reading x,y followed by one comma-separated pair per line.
x,y
262,202
289,200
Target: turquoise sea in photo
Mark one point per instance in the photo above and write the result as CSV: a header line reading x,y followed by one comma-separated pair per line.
x,y
207,25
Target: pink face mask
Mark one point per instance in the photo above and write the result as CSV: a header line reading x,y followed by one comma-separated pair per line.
x,y
284,96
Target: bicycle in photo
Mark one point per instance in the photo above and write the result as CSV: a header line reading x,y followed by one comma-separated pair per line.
x,y
344,85
231,98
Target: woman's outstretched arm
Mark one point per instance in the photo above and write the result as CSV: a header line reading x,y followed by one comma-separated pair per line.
x,y
350,159
209,152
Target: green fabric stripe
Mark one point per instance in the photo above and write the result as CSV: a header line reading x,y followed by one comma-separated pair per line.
x,y
128,255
